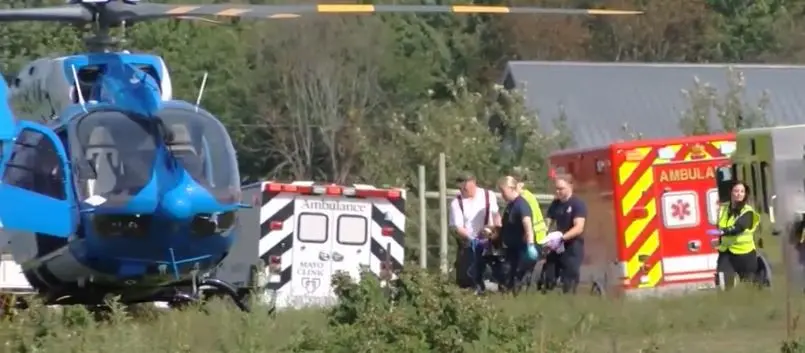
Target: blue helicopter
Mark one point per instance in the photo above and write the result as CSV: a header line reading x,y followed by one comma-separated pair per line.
x,y
112,187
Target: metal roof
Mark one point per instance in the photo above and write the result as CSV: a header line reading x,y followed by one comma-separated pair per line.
x,y
598,98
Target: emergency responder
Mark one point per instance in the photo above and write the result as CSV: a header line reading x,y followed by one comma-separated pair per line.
x,y
471,212
567,214
517,234
737,221
540,230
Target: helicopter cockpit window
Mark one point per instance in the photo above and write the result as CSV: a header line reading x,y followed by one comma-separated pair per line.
x,y
116,153
202,146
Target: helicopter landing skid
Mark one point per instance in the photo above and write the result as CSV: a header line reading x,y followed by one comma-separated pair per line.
x,y
198,293
227,289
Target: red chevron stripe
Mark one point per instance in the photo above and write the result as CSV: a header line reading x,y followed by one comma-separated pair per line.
x,y
653,260
712,150
641,202
682,153
642,167
631,251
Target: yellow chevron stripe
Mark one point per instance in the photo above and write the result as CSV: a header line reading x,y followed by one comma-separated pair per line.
x,y
654,276
637,226
633,230
633,195
651,245
627,167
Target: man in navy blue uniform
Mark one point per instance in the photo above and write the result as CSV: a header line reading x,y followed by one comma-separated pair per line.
x,y
566,214
517,234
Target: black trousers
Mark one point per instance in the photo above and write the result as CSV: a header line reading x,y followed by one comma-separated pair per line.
x,y
518,267
471,265
744,265
567,265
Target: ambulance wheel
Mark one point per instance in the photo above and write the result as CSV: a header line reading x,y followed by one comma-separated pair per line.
x,y
763,275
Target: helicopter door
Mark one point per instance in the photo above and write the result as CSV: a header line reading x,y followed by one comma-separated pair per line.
x,y
35,193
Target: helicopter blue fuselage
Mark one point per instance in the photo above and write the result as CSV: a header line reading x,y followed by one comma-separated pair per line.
x,y
166,215
121,82
151,239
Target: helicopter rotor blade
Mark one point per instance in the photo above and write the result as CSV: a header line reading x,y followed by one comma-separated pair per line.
x,y
112,13
47,14
199,19
147,10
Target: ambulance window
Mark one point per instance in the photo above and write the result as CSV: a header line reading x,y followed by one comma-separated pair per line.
x,y
352,230
755,182
765,185
312,228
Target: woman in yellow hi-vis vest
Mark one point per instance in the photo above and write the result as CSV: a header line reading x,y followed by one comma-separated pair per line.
x,y
737,221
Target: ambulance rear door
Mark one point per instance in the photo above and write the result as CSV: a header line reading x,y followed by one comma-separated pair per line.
x,y
688,207
351,249
311,275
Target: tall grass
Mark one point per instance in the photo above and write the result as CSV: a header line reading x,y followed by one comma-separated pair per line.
x,y
428,315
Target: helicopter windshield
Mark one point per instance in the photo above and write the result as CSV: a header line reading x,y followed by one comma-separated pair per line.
x,y
202,146
114,153
118,152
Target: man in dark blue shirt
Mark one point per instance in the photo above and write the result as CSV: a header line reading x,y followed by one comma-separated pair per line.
x,y
516,233
566,214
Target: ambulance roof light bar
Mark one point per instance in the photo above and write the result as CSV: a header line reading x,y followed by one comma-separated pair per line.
x,y
334,190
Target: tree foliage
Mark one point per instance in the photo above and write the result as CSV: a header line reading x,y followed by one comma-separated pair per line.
x,y
729,110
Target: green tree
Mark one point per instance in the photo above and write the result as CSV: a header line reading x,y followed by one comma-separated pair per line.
x,y
731,111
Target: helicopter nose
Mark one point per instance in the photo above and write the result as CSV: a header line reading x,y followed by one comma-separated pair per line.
x,y
176,203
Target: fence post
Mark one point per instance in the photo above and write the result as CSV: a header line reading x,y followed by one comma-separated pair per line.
x,y
443,213
423,219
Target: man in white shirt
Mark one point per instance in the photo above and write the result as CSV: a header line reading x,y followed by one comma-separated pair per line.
x,y
473,210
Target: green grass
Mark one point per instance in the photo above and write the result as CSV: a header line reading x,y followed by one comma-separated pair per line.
x,y
432,316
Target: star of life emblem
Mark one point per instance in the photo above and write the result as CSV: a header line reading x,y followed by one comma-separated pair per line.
x,y
680,209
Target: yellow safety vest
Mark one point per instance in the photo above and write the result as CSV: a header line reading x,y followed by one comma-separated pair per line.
x,y
742,243
540,228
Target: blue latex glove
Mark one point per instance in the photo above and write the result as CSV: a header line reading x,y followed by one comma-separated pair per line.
x,y
714,232
531,252
474,242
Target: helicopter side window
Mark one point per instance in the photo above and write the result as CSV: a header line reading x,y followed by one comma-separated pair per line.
x,y
35,165
87,77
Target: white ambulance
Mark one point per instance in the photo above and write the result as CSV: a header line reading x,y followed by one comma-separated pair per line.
x,y
304,233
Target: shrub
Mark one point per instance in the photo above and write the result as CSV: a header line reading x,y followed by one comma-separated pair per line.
x,y
428,314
